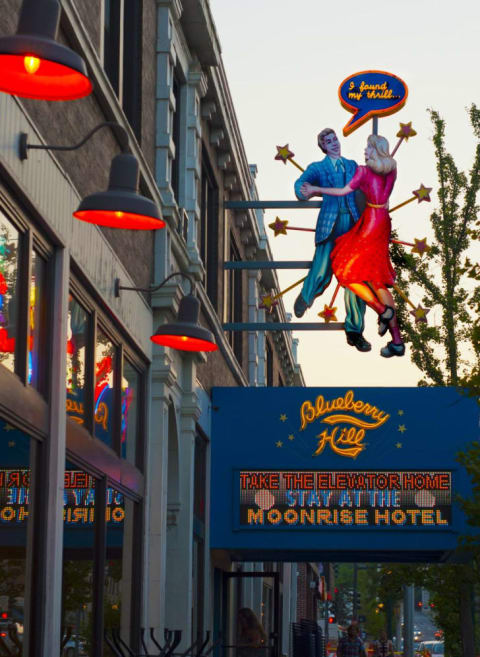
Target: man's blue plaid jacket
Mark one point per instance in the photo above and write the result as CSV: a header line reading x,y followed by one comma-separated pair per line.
x,y
324,174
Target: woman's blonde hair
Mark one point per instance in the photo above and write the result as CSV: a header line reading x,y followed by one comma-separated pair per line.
x,y
382,162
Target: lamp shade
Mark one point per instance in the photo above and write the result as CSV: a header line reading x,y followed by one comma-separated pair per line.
x,y
186,334
34,65
121,206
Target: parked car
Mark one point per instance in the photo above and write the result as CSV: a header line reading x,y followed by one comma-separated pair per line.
x,y
432,648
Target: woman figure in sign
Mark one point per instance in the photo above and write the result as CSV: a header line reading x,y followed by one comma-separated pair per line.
x,y
360,259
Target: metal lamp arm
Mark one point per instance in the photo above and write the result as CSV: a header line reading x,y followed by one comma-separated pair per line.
x,y
122,136
118,287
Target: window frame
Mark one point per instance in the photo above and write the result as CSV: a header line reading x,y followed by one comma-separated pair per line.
x,y
99,320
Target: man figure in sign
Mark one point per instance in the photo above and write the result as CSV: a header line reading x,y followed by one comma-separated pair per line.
x,y
336,217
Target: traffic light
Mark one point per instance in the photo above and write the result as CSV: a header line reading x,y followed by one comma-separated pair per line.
x,y
332,619
419,605
432,605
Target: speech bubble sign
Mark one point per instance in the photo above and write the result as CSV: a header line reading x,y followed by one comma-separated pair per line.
x,y
371,93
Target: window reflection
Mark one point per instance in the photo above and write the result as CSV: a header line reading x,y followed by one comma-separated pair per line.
x,y
9,238
129,427
118,566
76,360
78,560
14,512
103,397
36,352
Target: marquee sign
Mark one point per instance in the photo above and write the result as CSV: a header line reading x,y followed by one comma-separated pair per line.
x,y
355,474
371,93
302,499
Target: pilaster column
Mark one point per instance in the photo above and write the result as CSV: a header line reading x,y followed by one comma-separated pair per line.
x,y
180,537
194,91
163,380
168,13
261,377
253,301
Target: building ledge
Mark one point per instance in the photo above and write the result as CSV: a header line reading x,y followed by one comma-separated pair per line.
x,y
200,33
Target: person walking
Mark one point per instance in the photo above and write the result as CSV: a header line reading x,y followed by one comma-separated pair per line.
x,y
351,645
382,647
250,634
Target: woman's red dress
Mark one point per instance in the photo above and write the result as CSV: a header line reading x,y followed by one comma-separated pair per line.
x,y
361,255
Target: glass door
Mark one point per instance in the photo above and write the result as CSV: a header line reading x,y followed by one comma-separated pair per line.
x,y
250,614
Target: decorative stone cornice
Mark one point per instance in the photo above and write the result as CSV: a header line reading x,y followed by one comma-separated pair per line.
x,y
190,407
175,7
162,369
209,109
197,78
217,135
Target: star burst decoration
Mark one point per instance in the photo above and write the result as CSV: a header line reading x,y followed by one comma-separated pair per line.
x,y
422,193
421,246
420,314
279,227
328,314
283,153
268,303
406,131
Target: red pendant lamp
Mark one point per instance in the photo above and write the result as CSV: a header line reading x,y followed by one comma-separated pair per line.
x,y
186,334
120,206
34,65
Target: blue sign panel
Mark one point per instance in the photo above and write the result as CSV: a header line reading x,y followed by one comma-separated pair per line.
x,y
364,474
371,93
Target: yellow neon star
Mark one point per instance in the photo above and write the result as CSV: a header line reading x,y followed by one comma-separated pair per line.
x,y
402,428
279,227
406,131
268,303
291,437
420,314
328,314
12,443
279,443
399,445
422,193
283,417
421,246
400,412
8,427
283,153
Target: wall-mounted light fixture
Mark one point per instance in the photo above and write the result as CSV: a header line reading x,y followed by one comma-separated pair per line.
x,y
185,334
120,206
34,65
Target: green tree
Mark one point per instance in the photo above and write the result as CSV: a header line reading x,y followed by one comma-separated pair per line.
x,y
446,275
451,285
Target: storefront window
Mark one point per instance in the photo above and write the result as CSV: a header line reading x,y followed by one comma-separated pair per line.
x,y
118,567
104,397
14,513
129,426
9,238
78,561
37,351
76,360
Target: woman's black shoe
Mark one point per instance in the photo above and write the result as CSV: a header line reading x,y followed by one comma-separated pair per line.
x,y
384,319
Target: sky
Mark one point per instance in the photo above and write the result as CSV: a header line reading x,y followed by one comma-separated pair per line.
x,y
284,62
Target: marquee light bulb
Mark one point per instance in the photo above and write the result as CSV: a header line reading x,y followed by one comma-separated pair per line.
x,y
31,64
